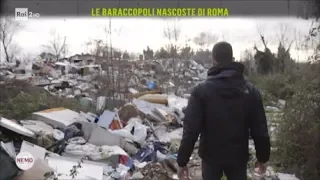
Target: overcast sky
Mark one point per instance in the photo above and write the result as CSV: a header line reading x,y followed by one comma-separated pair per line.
x,y
134,34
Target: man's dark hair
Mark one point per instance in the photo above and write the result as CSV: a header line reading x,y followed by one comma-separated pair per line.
x,y
222,53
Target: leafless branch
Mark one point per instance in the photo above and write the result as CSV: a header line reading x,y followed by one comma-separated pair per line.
x,y
57,46
205,39
284,34
8,28
172,32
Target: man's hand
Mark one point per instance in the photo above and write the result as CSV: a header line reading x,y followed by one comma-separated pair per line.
x,y
260,168
183,173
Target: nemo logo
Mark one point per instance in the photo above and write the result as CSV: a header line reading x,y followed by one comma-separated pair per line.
x,y
24,160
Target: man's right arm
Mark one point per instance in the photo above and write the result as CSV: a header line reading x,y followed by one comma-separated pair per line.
x,y
259,129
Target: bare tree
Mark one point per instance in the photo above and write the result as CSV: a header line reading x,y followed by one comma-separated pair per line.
x,y
264,59
112,53
8,28
172,32
95,47
285,38
284,35
248,60
298,43
186,52
313,41
109,31
205,39
57,46
261,33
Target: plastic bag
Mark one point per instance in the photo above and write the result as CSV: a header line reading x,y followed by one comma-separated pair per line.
x,y
57,134
139,134
176,102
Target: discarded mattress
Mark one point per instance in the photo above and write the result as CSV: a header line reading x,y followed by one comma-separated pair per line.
x,y
13,126
57,117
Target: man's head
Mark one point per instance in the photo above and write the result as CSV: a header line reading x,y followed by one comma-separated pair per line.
x,y
222,53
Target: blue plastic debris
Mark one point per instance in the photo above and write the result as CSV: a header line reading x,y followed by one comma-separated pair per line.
x,y
151,85
146,154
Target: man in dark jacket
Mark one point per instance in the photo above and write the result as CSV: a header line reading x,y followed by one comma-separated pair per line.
x,y
224,110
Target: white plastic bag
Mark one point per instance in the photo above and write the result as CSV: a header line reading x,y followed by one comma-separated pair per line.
x,y
57,134
80,150
140,131
176,102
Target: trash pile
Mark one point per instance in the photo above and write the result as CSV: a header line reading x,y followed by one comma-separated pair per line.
x,y
59,78
125,143
187,72
77,76
138,141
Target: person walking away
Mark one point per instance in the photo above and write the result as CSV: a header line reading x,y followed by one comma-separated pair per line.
x,y
224,110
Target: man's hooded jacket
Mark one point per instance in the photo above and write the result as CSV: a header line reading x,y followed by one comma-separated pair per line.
x,y
225,110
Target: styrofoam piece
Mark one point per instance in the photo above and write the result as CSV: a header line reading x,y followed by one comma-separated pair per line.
x,y
13,126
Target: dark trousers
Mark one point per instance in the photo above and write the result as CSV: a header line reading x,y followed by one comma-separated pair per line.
x,y
215,171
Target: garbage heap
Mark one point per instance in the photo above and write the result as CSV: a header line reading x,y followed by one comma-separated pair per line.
x,y
171,75
80,78
137,141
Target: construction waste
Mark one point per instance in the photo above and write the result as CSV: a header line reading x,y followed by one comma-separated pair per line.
x,y
138,141
80,78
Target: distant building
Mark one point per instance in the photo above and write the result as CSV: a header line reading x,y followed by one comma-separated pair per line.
x,y
82,58
63,59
